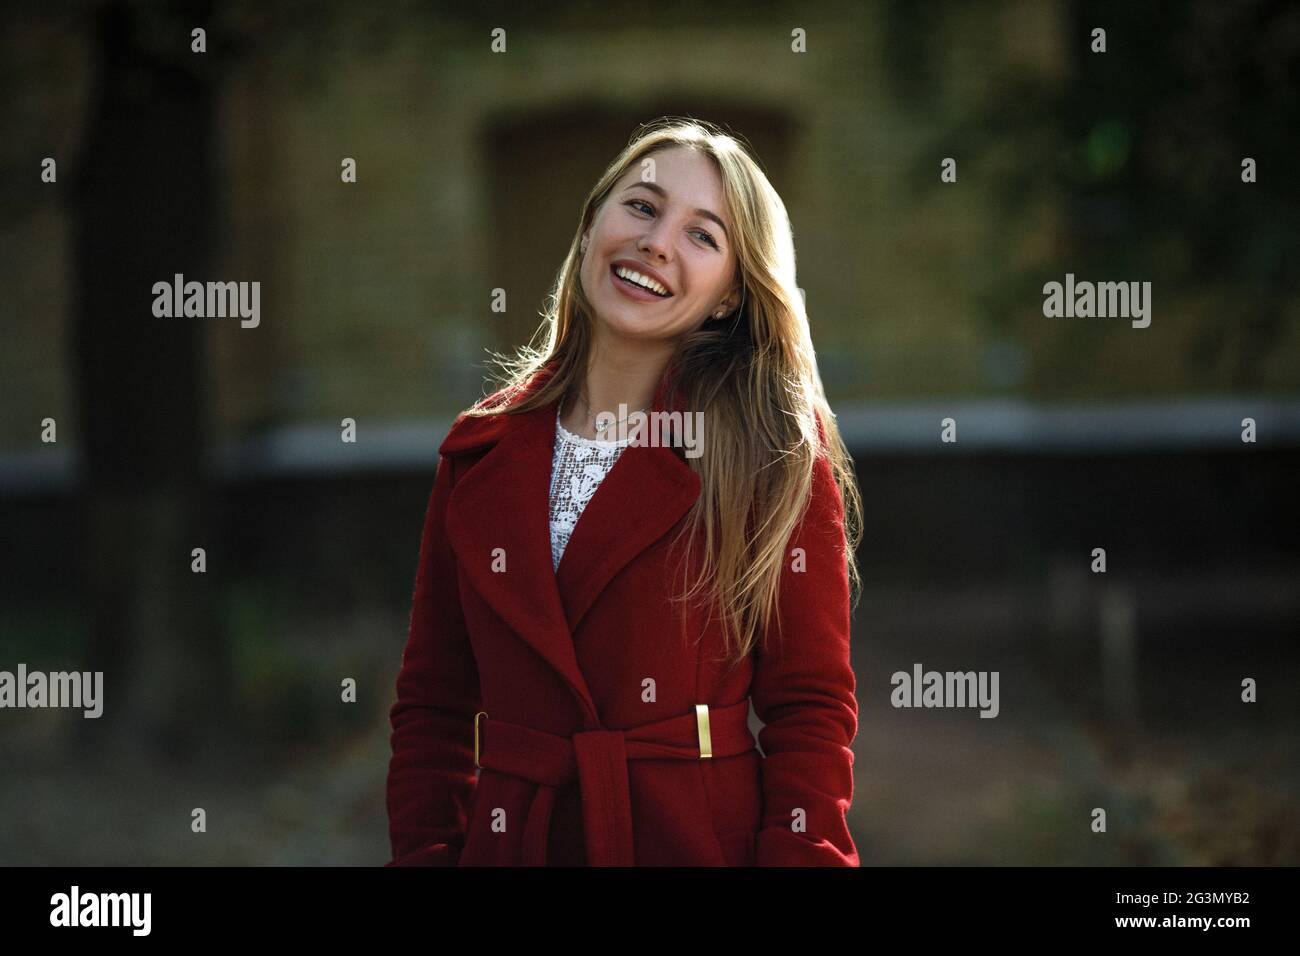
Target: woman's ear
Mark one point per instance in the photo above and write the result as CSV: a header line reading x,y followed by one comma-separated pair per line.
x,y
730,302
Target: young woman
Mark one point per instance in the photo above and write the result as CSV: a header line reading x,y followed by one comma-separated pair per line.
x,y
595,609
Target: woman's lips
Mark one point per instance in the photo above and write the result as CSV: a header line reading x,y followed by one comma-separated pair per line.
x,y
634,291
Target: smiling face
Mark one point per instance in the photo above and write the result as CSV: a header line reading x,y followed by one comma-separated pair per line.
x,y
675,235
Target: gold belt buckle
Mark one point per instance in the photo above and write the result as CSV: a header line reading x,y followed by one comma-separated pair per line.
x,y
702,724
481,713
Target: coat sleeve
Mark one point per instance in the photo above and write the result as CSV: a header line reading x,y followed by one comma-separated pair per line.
x,y
804,691
431,775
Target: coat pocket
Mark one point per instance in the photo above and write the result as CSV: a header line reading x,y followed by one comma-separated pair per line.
x,y
495,796
734,789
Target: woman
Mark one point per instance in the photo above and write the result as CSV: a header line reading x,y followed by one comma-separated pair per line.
x,y
592,615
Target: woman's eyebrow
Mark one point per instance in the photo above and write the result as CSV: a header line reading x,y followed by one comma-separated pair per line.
x,y
656,188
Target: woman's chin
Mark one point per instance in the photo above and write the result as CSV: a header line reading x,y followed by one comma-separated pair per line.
x,y
630,326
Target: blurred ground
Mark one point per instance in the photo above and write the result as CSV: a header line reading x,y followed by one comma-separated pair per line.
x,y
933,786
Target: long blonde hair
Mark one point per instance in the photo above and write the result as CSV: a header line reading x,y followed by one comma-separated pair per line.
x,y
753,373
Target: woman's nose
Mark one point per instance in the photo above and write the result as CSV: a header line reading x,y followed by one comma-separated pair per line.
x,y
654,241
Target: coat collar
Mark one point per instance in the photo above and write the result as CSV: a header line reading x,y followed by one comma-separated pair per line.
x,y
503,503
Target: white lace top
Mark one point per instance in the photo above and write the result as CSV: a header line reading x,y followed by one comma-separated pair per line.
x,y
577,469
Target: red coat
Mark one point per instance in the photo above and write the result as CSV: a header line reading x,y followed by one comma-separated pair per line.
x,y
590,750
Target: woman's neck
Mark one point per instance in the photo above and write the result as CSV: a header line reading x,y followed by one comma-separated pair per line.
x,y
614,380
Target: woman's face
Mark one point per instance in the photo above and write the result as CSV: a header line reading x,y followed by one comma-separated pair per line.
x,y
674,231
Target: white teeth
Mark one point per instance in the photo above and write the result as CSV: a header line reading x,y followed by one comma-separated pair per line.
x,y
639,279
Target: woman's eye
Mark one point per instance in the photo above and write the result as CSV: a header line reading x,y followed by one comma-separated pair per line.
x,y
649,210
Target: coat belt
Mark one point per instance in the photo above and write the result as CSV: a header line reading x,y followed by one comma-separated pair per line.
x,y
598,760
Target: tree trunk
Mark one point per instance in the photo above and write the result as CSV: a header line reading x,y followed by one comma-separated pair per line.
x,y
145,205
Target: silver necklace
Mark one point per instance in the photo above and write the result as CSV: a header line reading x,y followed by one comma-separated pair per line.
x,y
600,430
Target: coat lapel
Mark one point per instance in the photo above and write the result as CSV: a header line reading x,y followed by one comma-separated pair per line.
x,y
503,503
